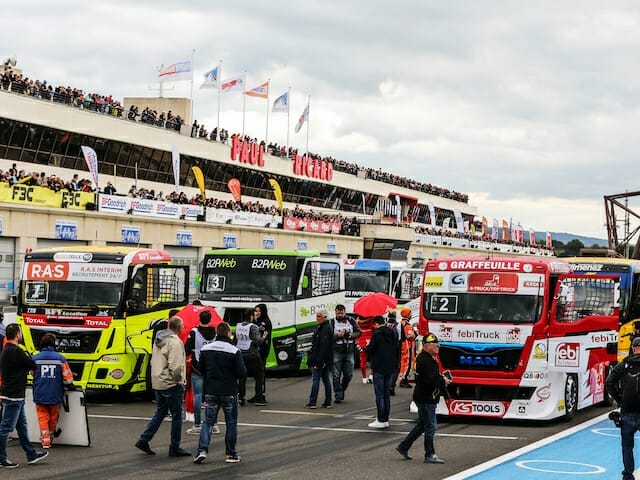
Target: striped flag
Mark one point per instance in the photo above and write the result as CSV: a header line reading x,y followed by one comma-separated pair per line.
x,y
232,85
176,72
261,91
303,118
281,104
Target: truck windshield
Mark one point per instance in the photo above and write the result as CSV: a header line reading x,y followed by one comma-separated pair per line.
x,y
483,307
359,283
72,294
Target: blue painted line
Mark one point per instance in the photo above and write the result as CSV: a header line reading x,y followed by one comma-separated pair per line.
x,y
590,450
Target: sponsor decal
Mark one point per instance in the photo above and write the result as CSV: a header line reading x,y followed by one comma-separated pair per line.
x,y
88,322
588,267
433,282
568,354
540,351
445,334
534,375
493,282
522,410
478,335
110,359
101,386
483,409
530,284
116,374
604,337
483,265
151,256
458,282
513,335
221,262
73,257
47,271
543,393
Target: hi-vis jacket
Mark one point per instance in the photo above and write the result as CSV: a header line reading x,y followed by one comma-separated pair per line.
x,y
52,373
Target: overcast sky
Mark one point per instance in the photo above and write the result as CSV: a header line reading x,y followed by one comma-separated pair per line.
x,y
529,107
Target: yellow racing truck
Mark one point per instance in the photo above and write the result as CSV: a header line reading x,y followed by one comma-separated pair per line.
x,y
102,304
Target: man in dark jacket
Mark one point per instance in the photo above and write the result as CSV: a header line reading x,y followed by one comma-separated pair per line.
x,y
320,360
345,331
15,364
623,384
222,368
198,338
383,356
430,384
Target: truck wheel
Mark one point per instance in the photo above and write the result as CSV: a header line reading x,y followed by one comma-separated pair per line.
x,y
570,396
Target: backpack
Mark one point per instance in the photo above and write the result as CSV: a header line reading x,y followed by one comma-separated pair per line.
x,y
631,387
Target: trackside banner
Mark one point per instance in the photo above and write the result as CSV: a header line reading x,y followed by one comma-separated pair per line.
x,y
149,208
44,197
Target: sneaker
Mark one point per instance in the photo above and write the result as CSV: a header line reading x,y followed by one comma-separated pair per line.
x,y
370,379
57,432
365,380
433,459
195,430
377,424
405,385
200,458
144,446
404,453
39,456
215,430
232,459
178,452
312,406
326,405
241,402
8,464
252,400
392,392
338,400
261,402
188,417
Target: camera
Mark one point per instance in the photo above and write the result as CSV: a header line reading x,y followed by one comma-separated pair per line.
x,y
615,418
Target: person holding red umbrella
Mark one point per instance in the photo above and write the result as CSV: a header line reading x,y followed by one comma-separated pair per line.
x,y
366,327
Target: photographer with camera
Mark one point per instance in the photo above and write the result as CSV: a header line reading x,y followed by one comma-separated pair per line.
x,y
345,331
623,384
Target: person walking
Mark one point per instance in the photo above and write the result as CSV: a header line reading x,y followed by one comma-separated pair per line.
x,y
392,323
383,354
222,368
623,384
15,364
345,332
430,385
168,379
319,359
248,340
366,327
198,338
52,375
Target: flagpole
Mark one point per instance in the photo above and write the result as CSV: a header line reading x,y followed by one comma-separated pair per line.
x,y
266,133
308,115
219,97
193,60
288,117
244,99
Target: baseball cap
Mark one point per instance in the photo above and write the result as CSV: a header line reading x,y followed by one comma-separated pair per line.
x,y
636,342
430,338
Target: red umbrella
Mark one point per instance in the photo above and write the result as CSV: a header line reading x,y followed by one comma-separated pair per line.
x,y
190,316
374,304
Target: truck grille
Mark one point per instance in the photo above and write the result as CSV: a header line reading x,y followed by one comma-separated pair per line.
x,y
73,342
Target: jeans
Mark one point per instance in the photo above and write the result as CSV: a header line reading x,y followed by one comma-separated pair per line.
x,y
196,386
169,400
427,424
342,372
629,425
229,405
13,416
382,389
318,373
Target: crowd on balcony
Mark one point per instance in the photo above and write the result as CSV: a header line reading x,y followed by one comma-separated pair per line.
x,y
17,83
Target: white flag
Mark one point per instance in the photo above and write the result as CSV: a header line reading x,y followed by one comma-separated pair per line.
x,y
175,156
281,104
176,72
210,79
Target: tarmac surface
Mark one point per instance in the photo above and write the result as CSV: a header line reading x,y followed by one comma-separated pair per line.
x,y
283,440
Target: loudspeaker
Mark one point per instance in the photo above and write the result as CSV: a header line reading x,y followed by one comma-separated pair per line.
x,y
91,206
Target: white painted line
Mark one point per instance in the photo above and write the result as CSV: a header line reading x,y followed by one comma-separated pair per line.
x,y
511,455
330,429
